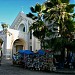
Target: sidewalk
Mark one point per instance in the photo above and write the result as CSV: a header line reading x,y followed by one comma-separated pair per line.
x,y
61,71
65,71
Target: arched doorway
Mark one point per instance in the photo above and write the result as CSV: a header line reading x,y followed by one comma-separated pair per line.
x,y
19,44
1,45
1,42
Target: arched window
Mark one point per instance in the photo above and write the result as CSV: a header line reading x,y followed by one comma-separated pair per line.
x,y
24,29
21,28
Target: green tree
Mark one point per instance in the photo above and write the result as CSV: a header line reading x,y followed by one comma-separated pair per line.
x,y
39,28
59,13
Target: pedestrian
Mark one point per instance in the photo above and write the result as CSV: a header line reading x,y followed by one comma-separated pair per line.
x,y
70,59
72,62
0,55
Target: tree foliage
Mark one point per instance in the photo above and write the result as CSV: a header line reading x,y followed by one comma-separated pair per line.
x,y
39,28
58,13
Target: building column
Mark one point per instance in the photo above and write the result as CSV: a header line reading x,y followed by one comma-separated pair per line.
x,y
33,42
7,47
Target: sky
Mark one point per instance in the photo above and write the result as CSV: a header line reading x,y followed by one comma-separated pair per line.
x,y
9,9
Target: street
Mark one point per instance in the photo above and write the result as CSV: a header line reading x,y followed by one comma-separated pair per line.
x,y
7,68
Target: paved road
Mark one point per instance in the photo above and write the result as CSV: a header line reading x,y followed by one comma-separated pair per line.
x,y
8,69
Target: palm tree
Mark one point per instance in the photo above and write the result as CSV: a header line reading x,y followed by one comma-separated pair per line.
x,y
4,26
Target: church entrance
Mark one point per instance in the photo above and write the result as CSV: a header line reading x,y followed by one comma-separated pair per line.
x,y
19,47
18,44
1,42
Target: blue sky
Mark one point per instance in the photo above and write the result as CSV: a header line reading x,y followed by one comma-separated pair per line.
x,y
9,9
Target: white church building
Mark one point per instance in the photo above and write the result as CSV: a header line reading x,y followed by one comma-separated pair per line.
x,y
18,37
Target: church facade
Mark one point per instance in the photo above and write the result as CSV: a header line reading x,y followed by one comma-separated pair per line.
x,y
18,37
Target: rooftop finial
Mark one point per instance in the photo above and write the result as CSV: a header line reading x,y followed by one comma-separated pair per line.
x,y
22,9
